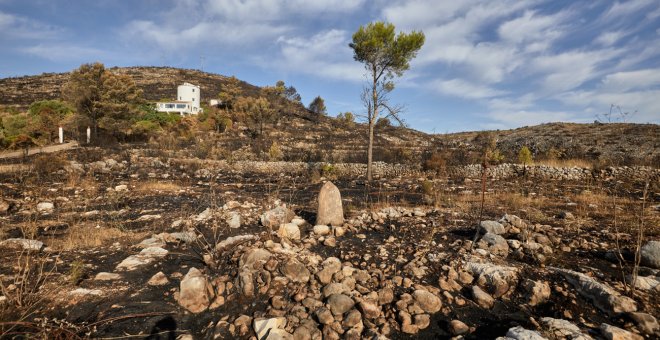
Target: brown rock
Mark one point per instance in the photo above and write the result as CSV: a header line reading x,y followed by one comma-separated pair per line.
x,y
330,210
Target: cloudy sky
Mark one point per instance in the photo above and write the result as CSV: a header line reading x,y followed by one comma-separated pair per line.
x,y
486,64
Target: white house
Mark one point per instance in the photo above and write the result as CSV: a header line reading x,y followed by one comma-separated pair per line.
x,y
187,101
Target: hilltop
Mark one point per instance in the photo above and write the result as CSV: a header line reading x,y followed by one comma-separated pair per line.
x,y
304,136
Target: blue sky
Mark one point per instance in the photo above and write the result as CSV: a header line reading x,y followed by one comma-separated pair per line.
x,y
486,64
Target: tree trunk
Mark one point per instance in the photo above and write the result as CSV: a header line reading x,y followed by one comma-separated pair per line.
x,y
370,150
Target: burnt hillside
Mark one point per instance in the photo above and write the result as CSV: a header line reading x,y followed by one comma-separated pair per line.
x,y
157,83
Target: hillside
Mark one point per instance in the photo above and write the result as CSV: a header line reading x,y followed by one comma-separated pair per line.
x,y
157,83
303,136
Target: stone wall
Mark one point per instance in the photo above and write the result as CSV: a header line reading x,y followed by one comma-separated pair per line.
x,y
545,172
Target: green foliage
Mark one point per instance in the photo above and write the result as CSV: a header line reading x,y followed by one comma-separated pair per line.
x,y
77,272
256,113
318,106
328,171
346,118
427,187
55,107
382,123
385,55
275,152
525,156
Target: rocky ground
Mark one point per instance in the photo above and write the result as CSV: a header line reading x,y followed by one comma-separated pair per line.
x,y
117,244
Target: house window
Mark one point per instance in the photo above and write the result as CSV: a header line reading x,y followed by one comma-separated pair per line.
x,y
193,99
181,106
193,90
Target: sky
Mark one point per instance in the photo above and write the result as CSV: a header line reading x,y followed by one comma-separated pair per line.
x,y
486,64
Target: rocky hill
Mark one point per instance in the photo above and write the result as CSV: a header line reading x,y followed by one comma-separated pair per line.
x,y
157,83
306,137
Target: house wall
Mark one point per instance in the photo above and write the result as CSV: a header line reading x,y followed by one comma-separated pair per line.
x,y
190,93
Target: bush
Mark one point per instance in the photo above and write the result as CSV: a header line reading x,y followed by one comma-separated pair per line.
x,y
275,152
46,165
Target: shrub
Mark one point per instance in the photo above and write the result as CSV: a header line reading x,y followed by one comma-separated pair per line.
x,y
46,165
524,156
437,162
275,152
77,272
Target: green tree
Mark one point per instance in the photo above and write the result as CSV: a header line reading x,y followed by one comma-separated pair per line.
x,y
230,92
525,157
45,117
385,55
102,98
346,118
256,113
318,106
83,91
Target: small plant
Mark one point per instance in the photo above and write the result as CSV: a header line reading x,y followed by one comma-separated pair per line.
x,y
77,272
275,152
329,171
524,157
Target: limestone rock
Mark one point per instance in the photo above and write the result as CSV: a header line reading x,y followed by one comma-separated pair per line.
x,y
603,296
538,292
498,280
330,210
295,271
159,279
45,208
104,276
482,298
234,220
195,293
427,301
491,227
495,244
254,258
275,217
457,327
22,243
321,230
615,333
563,329
263,326
519,333
650,253
290,231
646,323
340,303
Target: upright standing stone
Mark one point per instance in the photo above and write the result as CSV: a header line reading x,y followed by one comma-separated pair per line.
x,y
330,210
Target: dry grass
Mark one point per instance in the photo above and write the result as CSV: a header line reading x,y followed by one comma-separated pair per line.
x,y
84,236
565,163
158,186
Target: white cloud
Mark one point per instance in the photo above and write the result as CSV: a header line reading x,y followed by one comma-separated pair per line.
x,y
324,55
533,27
18,27
529,117
645,102
625,81
610,38
624,8
269,10
568,70
463,89
64,52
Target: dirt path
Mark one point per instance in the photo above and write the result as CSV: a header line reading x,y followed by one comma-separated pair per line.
x,y
45,149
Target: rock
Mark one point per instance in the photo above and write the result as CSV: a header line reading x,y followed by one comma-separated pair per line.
x,y
321,230
233,240
330,210
22,243
204,215
330,242
565,215
422,320
498,280
493,227
650,254
495,244
331,265
275,217
538,292
335,288
325,316
195,291
385,296
645,282
429,302
121,187
369,309
146,256
254,258
85,291
340,303
513,220
263,326
159,279
45,208
457,327
104,276
234,220
646,323
482,298
603,296
519,333
563,329
290,231
279,334
295,271
615,333
4,206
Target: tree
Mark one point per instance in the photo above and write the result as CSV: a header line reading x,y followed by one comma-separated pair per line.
x,y
256,112
83,91
385,56
102,98
318,106
231,90
346,118
524,157
46,116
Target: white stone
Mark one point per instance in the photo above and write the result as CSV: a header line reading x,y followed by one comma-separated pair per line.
x,y
105,276
321,230
22,243
45,207
121,187
290,231
263,326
